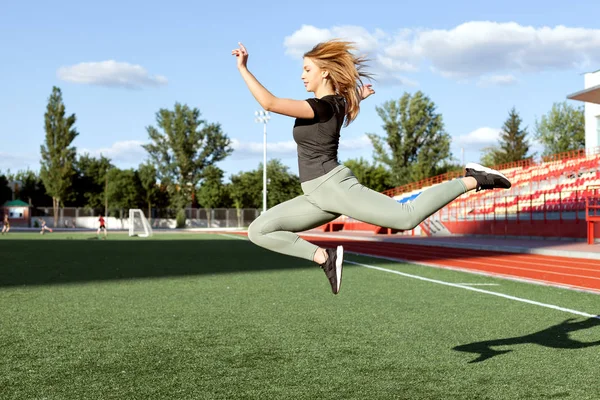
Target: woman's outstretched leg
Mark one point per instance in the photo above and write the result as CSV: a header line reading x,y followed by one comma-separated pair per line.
x,y
343,194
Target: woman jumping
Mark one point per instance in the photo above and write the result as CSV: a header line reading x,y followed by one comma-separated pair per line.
x,y
330,189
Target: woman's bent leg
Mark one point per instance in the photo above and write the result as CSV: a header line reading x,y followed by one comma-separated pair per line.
x,y
274,229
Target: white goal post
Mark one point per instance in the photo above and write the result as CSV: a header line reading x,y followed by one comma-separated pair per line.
x,y
138,224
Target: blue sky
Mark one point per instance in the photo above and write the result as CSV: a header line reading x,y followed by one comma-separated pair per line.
x,y
118,63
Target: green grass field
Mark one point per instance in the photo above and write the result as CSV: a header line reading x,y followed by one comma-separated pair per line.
x,y
193,316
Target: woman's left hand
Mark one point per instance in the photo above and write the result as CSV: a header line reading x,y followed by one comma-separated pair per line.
x,y
242,56
366,91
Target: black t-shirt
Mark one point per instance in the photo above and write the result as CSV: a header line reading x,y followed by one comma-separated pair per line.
x,y
318,138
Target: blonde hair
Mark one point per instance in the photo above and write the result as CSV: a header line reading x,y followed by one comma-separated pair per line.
x,y
345,71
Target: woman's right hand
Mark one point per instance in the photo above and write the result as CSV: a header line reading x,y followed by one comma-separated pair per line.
x,y
242,56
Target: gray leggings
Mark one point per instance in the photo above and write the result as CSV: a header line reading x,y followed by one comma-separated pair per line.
x,y
339,193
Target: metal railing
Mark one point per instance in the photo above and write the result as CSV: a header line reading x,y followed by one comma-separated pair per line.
x,y
70,217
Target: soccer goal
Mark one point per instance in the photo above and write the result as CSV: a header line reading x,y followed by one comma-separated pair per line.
x,y
138,224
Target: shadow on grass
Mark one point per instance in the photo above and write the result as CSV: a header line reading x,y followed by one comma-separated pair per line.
x,y
556,337
384,246
80,258
48,262
59,259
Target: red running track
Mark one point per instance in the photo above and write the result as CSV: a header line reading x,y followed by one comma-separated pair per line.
x,y
575,273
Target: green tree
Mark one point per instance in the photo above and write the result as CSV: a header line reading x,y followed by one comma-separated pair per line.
x,y
161,203
124,189
513,144
491,155
245,190
513,140
373,176
89,182
561,129
150,188
450,166
236,202
184,148
246,187
32,189
211,192
5,191
162,200
415,137
58,156
282,185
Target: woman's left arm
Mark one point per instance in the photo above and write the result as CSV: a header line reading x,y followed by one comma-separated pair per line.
x,y
365,91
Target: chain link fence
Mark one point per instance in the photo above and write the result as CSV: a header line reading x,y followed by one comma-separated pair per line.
x,y
215,218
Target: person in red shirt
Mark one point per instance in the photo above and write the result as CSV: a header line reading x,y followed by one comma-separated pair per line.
x,y
102,226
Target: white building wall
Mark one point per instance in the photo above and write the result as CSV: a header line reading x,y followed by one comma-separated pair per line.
x,y
592,114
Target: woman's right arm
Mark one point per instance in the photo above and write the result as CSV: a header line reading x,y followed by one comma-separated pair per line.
x,y
269,102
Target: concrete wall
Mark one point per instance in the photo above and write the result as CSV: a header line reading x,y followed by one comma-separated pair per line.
x,y
113,223
592,114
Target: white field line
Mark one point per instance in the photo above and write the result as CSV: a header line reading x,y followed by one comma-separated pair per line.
x,y
478,284
474,289
239,237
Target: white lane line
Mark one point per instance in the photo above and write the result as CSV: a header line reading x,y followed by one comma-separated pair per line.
x,y
239,237
478,284
474,289
483,273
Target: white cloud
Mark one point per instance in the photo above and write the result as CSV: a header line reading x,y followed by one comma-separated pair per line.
x,y
478,47
497,80
288,149
244,150
19,161
303,39
111,74
307,36
479,138
359,143
123,154
471,50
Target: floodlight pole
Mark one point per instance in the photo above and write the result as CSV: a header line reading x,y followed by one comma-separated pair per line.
x,y
264,117
106,192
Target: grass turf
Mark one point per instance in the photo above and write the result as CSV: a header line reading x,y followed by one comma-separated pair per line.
x,y
214,317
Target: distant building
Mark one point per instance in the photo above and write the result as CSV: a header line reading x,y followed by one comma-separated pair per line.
x,y
591,96
19,212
